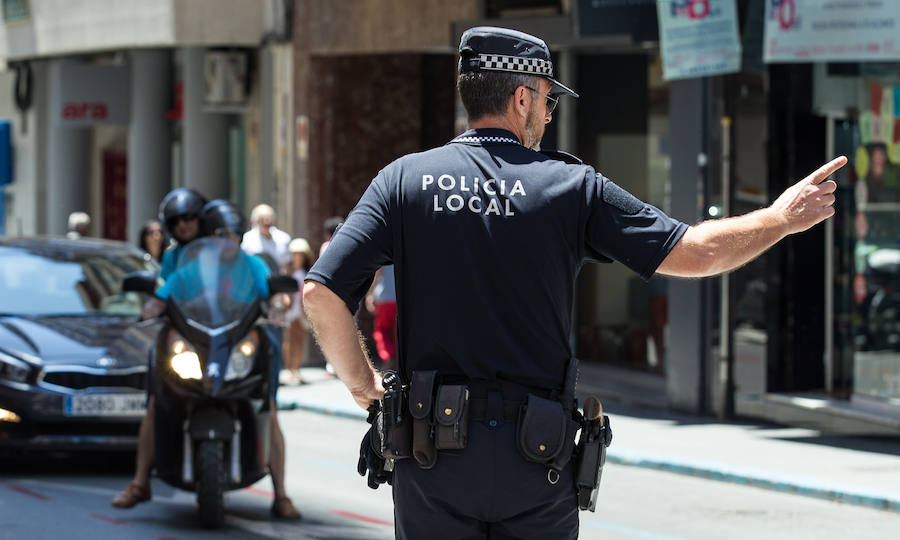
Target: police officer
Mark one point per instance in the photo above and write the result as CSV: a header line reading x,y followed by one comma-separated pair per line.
x,y
486,236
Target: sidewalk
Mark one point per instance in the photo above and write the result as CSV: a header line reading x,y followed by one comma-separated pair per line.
x,y
854,470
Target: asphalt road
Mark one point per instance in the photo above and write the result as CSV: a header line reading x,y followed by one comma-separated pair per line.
x,y
67,496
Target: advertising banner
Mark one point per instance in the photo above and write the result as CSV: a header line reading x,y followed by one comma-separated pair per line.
x,y
698,38
832,30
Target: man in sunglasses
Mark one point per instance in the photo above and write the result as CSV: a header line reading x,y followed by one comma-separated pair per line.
x,y
487,236
179,211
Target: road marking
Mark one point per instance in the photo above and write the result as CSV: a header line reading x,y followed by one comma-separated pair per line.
x,y
26,491
262,492
359,517
628,530
113,521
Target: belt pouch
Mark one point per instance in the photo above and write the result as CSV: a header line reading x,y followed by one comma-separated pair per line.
x,y
421,400
451,415
541,431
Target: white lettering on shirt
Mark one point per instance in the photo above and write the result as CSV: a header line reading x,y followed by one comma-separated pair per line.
x,y
464,194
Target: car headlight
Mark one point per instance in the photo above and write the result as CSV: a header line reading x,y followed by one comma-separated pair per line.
x,y
13,369
187,365
240,362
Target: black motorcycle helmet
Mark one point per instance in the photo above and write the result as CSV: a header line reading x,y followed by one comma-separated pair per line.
x,y
219,216
180,202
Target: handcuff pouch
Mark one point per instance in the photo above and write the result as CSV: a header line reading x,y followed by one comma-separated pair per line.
x,y
451,416
541,430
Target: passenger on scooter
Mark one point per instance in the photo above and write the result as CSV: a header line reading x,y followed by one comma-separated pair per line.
x,y
179,211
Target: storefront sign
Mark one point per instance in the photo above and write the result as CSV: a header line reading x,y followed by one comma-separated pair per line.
x,y
832,30
89,94
698,38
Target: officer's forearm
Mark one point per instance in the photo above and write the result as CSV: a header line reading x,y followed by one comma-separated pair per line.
x,y
337,335
719,246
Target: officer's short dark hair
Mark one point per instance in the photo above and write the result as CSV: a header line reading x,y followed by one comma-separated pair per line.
x,y
487,93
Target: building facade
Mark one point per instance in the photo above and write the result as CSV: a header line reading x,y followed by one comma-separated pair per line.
x,y
115,103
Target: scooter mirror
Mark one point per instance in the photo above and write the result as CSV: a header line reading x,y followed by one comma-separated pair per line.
x,y
283,284
141,281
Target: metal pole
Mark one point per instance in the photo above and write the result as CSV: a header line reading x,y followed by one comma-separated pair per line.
x,y
726,377
828,356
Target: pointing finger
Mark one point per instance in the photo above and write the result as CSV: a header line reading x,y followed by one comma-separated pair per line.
x,y
826,170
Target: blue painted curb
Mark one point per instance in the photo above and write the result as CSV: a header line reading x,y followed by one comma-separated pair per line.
x,y
722,473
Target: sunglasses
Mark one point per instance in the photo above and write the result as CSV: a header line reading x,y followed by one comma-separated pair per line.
x,y
552,102
178,219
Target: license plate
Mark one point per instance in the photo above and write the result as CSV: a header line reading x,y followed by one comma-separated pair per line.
x,y
128,405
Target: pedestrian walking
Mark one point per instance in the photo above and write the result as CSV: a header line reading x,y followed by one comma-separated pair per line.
x,y
152,239
382,302
267,240
487,235
78,225
295,345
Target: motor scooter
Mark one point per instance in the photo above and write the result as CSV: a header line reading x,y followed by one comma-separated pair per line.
x,y
210,374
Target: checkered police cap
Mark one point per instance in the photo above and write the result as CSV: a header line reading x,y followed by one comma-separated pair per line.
x,y
499,49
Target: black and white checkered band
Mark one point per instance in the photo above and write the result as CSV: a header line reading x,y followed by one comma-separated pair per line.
x,y
482,140
500,62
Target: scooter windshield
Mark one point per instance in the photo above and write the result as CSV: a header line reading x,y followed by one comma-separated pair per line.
x,y
213,282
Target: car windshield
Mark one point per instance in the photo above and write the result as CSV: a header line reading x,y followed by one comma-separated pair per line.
x,y
213,283
43,281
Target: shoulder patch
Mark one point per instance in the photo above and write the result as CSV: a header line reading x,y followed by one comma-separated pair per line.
x,y
565,157
617,197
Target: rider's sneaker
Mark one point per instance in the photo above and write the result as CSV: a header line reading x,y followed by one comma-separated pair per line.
x,y
132,495
284,508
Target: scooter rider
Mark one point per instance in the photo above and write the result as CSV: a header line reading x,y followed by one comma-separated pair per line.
x,y
222,219
179,211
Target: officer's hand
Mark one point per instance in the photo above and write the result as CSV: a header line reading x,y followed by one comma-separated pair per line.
x,y
370,458
370,391
810,200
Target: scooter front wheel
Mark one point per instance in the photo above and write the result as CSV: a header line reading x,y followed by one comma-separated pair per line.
x,y
211,482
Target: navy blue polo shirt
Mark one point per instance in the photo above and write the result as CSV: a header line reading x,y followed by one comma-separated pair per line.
x,y
486,238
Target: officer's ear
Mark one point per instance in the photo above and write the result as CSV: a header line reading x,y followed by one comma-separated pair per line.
x,y
521,102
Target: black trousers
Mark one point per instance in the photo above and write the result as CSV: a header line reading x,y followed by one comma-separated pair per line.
x,y
487,491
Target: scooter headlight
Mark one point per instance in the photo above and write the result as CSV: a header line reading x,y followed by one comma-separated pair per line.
x,y
241,360
185,361
187,365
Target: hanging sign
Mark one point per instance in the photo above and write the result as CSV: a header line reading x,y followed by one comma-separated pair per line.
x,y
698,38
831,30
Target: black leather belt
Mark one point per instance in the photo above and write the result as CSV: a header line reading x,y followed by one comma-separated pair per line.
x,y
478,410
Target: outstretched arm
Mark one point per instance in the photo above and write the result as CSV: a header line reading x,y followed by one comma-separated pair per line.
x,y
336,332
718,246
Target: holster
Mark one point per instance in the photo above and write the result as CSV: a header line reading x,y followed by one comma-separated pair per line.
x,y
396,425
421,400
591,455
451,416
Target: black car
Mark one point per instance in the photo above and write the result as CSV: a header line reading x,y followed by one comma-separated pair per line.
x,y
73,358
